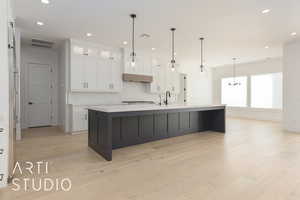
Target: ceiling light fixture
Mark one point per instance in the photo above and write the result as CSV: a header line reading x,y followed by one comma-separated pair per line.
x,y
153,49
201,55
293,34
89,34
39,23
125,42
265,11
133,54
267,47
45,1
173,62
234,82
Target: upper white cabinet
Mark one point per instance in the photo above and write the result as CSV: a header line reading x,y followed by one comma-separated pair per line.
x,y
164,79
94,68
143,65
159,77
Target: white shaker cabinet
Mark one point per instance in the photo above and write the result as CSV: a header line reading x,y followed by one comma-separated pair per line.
x,y
94,68
143,65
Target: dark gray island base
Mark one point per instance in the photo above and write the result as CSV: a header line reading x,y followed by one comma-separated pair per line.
x,y
111,130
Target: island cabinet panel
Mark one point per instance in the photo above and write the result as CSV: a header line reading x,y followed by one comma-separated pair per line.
x,y
194,120
184,121
130,130
146,127
92,126
173,124
161,125
116,133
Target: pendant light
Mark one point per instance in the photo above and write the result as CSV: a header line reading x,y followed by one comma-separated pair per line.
x,y
173,62
201,55
234,82
133,54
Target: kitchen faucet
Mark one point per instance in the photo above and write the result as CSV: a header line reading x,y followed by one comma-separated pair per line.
x,y
168,94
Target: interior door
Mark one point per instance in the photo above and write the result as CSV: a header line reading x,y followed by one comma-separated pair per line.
x,y
39,95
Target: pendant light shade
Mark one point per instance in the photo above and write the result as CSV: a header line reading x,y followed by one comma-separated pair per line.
x,y
234,82
173,62
133,54
201,54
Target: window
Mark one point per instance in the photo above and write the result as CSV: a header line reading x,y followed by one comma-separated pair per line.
x,y
266,91
234,95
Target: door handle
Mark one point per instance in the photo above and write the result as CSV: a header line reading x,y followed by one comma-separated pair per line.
x,y
30,103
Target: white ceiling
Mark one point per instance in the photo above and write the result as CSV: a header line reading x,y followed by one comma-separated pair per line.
x,y
232,28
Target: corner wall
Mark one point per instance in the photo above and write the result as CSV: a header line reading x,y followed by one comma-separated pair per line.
x,y
4,91
199,85
291,77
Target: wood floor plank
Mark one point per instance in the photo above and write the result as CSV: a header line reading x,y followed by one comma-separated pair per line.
x,y
253,160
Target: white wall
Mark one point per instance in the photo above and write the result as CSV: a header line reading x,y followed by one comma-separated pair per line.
x,y
31,54
199,85
4,90
271,65
291,77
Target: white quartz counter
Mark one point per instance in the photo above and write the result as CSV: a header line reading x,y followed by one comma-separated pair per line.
x,y
133,108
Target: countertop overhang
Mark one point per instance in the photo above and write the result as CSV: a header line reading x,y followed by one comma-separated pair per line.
x,y
141,108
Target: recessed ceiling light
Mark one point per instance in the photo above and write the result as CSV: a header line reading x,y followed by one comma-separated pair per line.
x,y
293,34
89,34
45,1
175,53
153,49
266,47
125,42
265,11
39,23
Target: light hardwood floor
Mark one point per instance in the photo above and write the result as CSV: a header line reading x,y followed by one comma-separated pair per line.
x,y
254,160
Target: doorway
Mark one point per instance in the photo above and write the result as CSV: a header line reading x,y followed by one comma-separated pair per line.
x,y
39,95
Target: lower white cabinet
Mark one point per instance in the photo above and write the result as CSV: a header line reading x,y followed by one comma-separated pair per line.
x,y
79,118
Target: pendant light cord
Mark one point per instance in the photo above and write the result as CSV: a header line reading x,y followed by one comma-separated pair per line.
x,y
173,48
201,60
133,16
234,70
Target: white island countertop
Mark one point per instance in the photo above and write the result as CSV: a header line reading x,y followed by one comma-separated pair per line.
x,y
150,107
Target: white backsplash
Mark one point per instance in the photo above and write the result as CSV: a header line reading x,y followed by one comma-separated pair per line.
x,y
131,92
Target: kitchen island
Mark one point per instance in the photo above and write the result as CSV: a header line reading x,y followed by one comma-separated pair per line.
x,y
112,127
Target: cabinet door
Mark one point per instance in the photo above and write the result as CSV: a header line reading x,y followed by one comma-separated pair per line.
x,y
116,75
147,65
85,119
77,73
103,74
90,67
80,119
